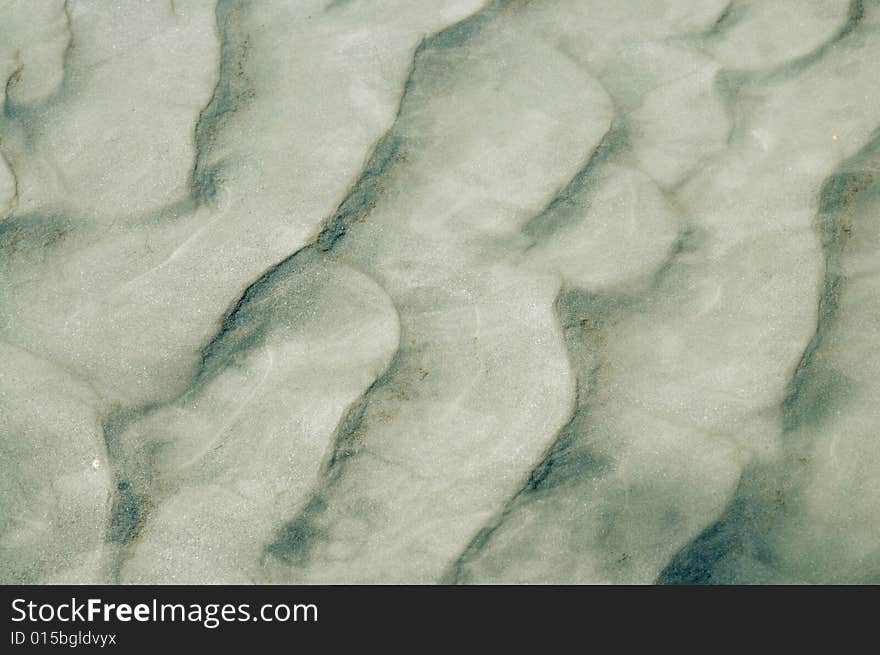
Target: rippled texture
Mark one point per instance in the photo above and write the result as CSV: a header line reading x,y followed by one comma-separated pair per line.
x,y
361,291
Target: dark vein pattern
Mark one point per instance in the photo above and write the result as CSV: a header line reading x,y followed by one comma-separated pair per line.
x,y
460,292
